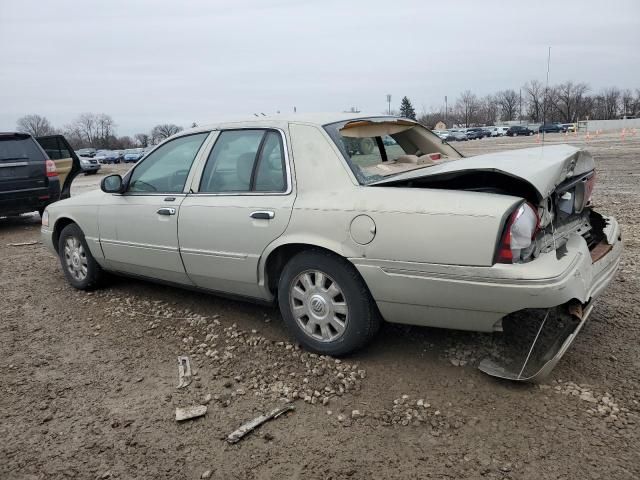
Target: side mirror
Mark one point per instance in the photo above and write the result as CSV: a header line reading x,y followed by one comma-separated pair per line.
x,y
112,184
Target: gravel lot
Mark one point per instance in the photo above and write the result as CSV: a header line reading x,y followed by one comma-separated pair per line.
x,y
89,379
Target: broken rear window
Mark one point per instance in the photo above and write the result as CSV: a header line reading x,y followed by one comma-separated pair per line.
x,y
381,147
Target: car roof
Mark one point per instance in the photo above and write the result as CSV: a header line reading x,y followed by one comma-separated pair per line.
x,y
319,119
17,135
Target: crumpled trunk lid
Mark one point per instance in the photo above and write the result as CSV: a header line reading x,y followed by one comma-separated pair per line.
x,y
544,168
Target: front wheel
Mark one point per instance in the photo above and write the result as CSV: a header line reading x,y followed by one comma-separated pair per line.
x,y
79,267
326,304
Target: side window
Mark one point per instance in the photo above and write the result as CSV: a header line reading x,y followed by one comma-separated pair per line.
x,y
232,167
270,172
56,150
167,168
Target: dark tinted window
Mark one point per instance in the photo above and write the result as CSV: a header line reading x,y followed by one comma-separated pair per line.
x,y
16,148
55,148
244,161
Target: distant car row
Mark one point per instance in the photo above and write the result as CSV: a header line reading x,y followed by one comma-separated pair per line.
x,y
474,133
131,155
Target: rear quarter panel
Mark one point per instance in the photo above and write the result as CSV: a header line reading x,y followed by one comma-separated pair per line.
x,y
411,224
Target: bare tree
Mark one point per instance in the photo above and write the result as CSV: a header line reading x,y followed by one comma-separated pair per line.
x,y
142,139
105,129
508,100
467,108
569,100
488,113
627,103
162,131
535,99
35,125
85,127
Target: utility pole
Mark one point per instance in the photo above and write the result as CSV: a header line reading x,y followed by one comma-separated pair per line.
x,y
445,110
389,103
520,114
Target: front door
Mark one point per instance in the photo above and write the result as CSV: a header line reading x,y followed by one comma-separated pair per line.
x,y
139,228
242,202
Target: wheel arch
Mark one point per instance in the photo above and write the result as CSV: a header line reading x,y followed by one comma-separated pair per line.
x,y
277,256
58,227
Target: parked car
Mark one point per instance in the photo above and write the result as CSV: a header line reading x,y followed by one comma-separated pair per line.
x,y
412,233
551,128
33,176
517,130
487,131
475,133
499,131
107,156
90,166
569,127
133,155
120,154
86,152
456,136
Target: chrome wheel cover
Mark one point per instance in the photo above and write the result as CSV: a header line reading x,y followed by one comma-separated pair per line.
x,y
318,306
75,258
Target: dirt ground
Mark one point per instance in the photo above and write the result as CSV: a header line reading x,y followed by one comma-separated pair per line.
x,y
88,380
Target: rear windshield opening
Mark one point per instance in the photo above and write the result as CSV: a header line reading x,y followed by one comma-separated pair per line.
x,y
379,148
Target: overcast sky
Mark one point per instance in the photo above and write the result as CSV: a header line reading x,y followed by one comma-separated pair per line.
x,y
149,62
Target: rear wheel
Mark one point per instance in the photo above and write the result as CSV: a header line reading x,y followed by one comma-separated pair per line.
x,y
78,265
326,304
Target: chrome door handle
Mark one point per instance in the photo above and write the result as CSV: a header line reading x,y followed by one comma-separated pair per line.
x,y
263,215
167,211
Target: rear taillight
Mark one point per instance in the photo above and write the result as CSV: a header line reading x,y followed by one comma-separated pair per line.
x,y
51,168
518,234
590,185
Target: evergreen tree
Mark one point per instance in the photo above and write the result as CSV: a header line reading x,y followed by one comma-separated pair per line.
x,y
406,109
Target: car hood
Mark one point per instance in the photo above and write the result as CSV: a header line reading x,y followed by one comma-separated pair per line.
x,y
543,167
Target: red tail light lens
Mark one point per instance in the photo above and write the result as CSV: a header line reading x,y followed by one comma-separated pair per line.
x,y
591,184
518,234
51,168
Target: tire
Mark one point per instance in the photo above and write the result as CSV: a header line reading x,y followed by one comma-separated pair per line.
x,y
79,267
351,307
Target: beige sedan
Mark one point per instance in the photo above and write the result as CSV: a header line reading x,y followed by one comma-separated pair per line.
x,y
345,221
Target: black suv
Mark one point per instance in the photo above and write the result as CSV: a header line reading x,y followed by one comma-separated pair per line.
x,y
34,174
519,130
551,128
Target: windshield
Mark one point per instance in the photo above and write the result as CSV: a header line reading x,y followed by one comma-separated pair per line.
x,y
377,148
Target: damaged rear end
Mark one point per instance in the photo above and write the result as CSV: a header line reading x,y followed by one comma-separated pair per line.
x,y
555,218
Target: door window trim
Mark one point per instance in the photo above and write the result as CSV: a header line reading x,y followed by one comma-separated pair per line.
x,y
204,147
195,184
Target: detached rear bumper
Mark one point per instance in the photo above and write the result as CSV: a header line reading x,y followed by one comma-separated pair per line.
x,y
476,298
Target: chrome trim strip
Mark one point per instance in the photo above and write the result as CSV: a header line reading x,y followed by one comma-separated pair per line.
x,y
148,246
14,164
212,253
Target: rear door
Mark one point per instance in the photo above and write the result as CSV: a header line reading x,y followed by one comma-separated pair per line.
x,y
22,165
66,160
240,203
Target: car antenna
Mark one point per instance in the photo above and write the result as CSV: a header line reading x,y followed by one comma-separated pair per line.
x,y
546,96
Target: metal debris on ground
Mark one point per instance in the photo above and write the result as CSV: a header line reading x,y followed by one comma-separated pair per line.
x,y
186,413
237,435
22,244
184,372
